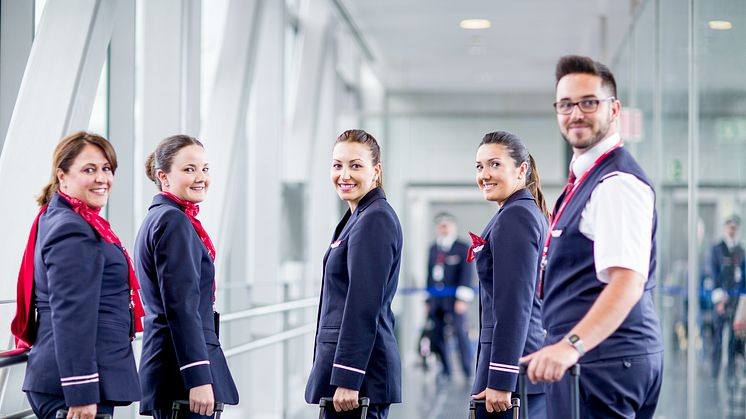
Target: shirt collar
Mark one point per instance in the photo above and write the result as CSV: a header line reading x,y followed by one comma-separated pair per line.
x,y
446,242
580,164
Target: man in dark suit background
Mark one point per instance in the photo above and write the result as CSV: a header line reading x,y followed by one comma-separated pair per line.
x,y
449,287
728,271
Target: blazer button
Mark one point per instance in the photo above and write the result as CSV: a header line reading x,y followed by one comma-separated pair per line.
x,y
627,364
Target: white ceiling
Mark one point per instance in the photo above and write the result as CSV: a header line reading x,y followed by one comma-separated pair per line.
x,y
419,46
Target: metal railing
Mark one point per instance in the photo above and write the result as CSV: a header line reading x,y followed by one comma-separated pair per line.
x,y
280,337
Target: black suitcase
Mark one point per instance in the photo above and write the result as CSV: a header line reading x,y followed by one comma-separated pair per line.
x,y
473,404
62,414
575,393
183,405
325,402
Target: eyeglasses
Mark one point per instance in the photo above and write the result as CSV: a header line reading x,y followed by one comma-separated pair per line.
x,y
565,107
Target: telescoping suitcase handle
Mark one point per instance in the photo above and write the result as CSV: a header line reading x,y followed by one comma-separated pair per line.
x,y
325,402
62,414
183,405
575,391
515,401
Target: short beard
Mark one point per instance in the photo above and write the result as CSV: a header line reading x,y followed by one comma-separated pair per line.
x,y
597,139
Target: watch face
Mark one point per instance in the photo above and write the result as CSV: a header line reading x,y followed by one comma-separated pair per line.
x,y
573,339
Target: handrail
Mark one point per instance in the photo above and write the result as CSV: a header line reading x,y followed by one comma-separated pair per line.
x,y
269,340
19,358
7,302
19,415
269,309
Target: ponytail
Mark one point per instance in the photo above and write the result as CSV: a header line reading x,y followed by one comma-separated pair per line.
x,y
533,183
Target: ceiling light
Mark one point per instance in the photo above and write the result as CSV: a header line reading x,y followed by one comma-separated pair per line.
x,y
720,25
475,24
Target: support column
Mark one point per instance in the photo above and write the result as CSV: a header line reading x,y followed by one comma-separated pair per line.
x,y
16,36
121,116
225,124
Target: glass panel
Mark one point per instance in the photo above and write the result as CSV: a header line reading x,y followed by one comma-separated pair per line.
x,y
722,202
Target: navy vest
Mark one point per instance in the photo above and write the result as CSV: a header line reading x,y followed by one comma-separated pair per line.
x,y
570,283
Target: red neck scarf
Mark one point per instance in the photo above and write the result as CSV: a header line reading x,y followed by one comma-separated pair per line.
x,y
191,210
23,325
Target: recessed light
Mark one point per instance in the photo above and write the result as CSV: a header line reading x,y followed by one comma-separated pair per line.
x,y
475,24
720,25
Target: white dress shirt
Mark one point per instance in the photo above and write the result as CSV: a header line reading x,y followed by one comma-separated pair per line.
x,y
618,217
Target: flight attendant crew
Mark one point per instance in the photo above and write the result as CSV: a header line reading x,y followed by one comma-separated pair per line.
x,y
507,256
78,306
181,355
356,353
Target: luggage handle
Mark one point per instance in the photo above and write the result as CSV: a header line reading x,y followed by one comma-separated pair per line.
x,y
179,404
575,390
62,414
325,402
515,401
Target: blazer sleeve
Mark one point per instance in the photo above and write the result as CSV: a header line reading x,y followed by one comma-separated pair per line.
x,y
515,242
370,257
177,262
74,263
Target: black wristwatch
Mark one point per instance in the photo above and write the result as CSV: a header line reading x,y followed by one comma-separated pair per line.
x,y
577,343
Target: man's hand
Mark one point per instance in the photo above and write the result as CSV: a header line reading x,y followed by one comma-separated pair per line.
x,y
551,362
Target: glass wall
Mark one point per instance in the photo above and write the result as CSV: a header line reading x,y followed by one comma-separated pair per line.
x,y
680,69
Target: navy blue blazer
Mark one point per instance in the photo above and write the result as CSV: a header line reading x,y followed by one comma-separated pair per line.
x,y
510,309
180,347
729,272
456,273
355,344
82,350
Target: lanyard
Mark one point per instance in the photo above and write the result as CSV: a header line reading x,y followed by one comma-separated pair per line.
x,y
561,209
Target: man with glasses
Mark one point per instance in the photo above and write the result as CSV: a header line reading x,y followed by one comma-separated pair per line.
x,y
598,264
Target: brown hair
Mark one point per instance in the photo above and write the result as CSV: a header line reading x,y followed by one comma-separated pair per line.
x,y
576,64
362,137
65,154
163,156
519,153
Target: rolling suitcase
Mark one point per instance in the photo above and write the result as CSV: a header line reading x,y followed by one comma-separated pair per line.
x,y
183,406
62,414
325,402
575,392
515,401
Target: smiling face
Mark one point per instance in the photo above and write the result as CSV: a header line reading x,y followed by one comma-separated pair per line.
x,y
353,172
498,176
189,177
583,130
89,178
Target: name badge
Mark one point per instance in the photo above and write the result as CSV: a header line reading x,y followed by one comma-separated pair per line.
x,y
556,233
336,244
453,260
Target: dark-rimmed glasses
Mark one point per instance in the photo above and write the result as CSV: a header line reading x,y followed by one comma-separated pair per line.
x,y
565,107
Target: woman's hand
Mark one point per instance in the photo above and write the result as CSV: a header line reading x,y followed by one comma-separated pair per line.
x,y
82,412
494,400
345,399
201,400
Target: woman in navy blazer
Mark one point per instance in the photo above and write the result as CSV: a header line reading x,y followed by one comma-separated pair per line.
x,y
181,355
508,255
81,358
356,353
